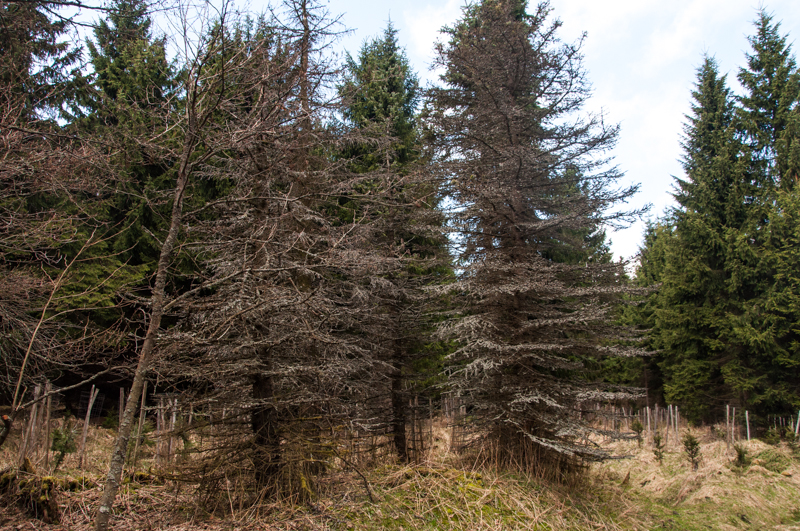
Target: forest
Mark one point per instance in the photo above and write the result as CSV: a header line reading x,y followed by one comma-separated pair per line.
x,y
237,269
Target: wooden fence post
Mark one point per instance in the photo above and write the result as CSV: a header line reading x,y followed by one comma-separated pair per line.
x,y
36,416
92,396
727,427
655,418
48,406
677,418
141,425
29,430
121,404
747,419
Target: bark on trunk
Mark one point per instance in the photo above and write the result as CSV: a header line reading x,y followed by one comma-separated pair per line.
x,y
398,408
264,420
145,357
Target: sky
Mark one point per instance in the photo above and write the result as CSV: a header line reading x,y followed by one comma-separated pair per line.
x,y
641,57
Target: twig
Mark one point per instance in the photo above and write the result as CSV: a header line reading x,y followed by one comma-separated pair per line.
x,y
56,286
354,467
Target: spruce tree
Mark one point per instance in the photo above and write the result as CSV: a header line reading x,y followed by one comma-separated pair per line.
x,y
718,324
131,86
293,342
512,140
772,90
640,313
49,202
778,352
701,294
37,63
128,63
769,121
380,94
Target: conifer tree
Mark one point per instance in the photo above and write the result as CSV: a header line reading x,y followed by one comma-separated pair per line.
x,y
128,63
50,183
768,117
290,344
778,349
37,63
533,327
380,94
640,313
702,293
716,313
131,84
201,147
772,91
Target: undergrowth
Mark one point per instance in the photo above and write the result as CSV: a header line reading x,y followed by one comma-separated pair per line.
x,y
754,486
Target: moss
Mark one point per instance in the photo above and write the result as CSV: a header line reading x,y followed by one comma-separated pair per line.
x,y
37,495
7,480
76,484
773,460
27,467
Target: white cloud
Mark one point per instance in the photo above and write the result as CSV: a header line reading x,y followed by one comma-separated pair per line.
x,y
641,56
423,25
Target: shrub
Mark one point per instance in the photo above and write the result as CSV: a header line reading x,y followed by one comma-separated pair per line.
x,y
111,421
772,436
692,448
63,443
638,428
742,459
658,447
774,461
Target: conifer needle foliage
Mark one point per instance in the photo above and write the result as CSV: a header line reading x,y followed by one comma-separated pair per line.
x,y
527,170
725,256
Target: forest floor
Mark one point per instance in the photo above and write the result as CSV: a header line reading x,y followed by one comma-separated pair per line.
x,y
448,492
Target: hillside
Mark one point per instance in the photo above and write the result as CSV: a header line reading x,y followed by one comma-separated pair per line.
x,y
449,492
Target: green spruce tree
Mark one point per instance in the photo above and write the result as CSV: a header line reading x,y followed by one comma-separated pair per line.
x,y
704,288
772,90
778,391
381,94
133,86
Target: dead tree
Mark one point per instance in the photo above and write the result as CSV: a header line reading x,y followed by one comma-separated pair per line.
x,y
531,187
285,341
200,142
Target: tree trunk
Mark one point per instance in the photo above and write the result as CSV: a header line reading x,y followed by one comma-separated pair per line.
x,y
264,420
145,356
398,407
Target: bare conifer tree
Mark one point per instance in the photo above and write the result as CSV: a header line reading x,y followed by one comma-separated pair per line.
x,y
203,133
273,345
528,173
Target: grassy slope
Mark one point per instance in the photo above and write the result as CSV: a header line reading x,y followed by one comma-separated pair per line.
x,y
445,493
719,495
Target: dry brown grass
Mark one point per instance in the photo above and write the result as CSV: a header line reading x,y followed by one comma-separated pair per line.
x,y
719,494
455,491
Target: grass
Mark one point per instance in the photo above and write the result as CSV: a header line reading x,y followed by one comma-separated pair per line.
x,y
719,495
429,498
447,491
